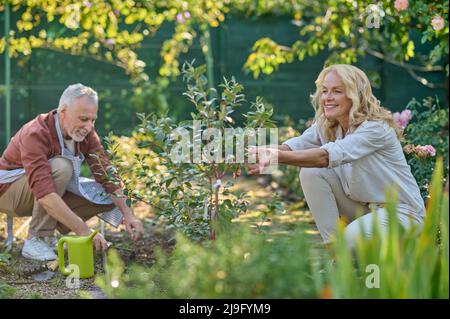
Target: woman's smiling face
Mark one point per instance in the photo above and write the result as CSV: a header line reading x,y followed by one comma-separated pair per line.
x,y
336,105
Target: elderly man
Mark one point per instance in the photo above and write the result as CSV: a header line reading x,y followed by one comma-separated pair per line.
x,y
39,176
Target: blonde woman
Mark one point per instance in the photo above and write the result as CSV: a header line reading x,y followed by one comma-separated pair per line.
x,y
348,157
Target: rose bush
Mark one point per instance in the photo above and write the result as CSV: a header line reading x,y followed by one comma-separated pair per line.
x,y
425,138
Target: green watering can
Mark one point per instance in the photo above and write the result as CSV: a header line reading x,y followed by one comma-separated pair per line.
x,y
80,254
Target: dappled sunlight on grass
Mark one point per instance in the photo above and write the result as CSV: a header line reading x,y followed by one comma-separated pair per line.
x,y
295,214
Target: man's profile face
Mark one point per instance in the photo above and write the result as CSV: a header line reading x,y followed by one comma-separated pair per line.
x,y
78,120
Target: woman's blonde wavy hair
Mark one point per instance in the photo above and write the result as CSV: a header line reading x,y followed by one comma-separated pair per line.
x,y
365,105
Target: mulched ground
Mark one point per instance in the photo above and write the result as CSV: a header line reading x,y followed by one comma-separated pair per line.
x,y
25,275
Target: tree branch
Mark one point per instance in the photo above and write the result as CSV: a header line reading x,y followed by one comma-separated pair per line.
x,y
430,68
424,81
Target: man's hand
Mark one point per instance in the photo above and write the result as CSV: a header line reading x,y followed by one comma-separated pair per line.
x,y
134,227
100,243
132,224
264,157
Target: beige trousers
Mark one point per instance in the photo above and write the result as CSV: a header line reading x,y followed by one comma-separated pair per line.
x,y
328,202
19,201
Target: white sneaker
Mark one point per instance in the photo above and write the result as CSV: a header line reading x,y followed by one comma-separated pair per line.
x,y
52,241
37,249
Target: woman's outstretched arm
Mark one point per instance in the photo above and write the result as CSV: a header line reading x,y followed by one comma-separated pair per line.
x,y
313,157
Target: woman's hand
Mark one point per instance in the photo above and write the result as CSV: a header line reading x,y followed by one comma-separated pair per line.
x,y
264,157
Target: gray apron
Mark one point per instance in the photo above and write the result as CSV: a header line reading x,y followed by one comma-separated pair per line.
x,y
81,186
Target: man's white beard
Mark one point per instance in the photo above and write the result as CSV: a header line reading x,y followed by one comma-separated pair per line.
x,y
77,137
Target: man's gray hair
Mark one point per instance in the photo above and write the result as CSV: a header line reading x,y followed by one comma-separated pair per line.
x,y
75,91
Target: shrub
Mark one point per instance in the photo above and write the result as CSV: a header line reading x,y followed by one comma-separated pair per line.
x,y
191,194
429,126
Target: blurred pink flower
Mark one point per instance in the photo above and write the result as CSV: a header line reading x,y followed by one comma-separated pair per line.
x,y
401,5
421,151
438,23
180,18
406,116
408,148
402,119
187,14
110,41
431,150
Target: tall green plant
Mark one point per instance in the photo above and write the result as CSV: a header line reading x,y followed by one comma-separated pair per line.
x,y
398,264
190,189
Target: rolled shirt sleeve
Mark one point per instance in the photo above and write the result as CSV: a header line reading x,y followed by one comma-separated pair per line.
x,y
369,137
309,139
33,152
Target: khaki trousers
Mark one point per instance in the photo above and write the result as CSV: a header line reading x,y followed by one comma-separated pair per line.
x,y
328,202
19,201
